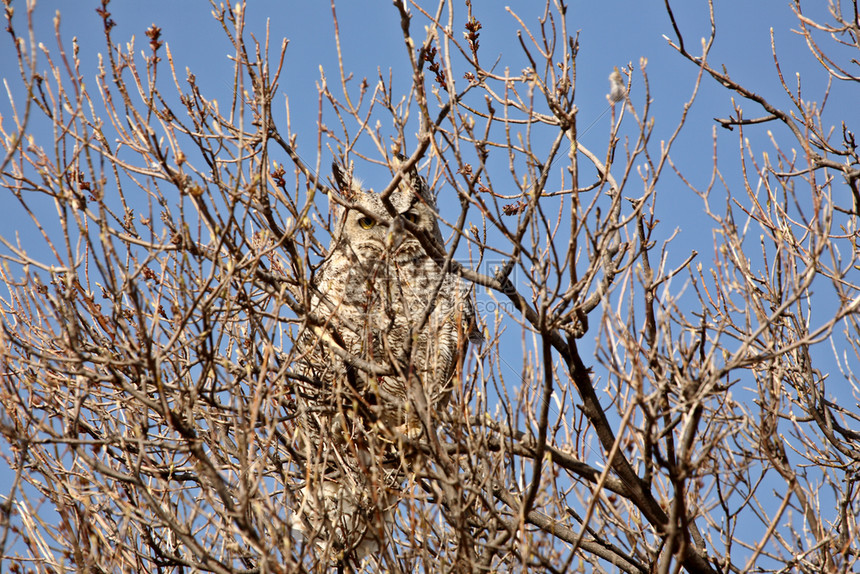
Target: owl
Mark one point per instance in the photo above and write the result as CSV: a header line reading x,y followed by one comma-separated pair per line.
x,y
387,330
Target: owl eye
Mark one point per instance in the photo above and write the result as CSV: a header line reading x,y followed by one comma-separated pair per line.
x,y
366,222
411,217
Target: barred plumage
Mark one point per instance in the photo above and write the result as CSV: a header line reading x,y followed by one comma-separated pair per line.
x,y
379,299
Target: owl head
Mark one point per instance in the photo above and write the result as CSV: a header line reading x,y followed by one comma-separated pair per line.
x,y
362,223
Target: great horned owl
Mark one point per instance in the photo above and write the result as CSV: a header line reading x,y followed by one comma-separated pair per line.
x,y
379,357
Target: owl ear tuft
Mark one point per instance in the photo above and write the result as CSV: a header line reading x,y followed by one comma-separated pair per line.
x,y
344,188
414,185
412,181
341,177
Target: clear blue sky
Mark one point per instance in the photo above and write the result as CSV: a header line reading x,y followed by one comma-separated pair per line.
x,y
611,33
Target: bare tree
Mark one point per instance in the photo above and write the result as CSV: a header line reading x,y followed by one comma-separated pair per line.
x,y
149,342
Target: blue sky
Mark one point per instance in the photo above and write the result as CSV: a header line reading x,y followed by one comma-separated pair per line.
x,y
611,33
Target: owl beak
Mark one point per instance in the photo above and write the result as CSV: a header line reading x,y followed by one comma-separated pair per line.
x,y
394,236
